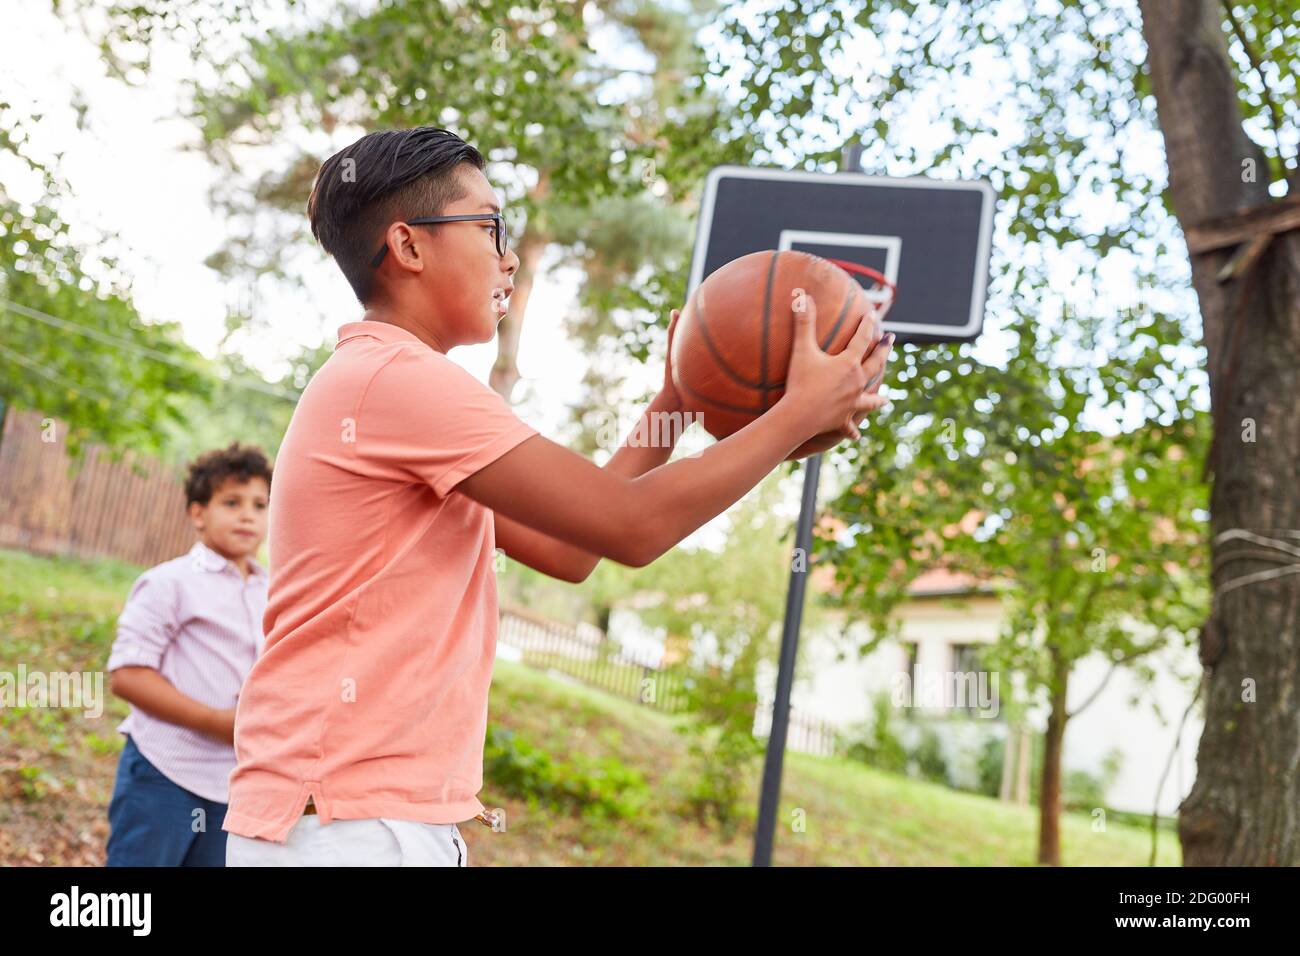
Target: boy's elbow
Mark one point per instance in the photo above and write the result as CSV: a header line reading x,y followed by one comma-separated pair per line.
x,y
577,573
124,681
638,549
625,553
637,540
119,681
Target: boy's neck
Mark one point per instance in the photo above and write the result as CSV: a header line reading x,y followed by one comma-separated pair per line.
x,y
394,316
241,561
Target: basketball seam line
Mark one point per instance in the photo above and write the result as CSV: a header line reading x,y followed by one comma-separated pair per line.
x,y
722,406
767,311
844,311
713,350
835,329
727,370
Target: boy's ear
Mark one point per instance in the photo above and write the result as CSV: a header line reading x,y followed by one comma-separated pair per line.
x,y
407,241
196,514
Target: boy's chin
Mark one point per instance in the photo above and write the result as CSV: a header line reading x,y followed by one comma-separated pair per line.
x,y
478,329
237,546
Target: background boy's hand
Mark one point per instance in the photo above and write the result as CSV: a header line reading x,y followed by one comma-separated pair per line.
x,y
223,725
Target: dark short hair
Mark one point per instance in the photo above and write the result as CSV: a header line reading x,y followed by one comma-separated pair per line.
x,y
209,471
382,178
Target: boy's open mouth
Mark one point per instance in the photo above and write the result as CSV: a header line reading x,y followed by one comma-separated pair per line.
x,y
501,299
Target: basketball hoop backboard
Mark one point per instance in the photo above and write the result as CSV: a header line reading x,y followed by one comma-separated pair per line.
x,y
928,237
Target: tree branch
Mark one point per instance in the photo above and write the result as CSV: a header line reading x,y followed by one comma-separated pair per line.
x,y
1115,665
1275,114
1095,694
1199,110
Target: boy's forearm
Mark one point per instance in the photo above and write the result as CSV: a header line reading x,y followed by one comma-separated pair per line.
x,y
147,689
641,452
681,496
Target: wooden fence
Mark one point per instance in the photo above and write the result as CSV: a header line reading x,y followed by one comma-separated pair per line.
x,y
132,509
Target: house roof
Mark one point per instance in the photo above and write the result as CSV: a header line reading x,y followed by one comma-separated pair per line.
x,y
934,582
942,581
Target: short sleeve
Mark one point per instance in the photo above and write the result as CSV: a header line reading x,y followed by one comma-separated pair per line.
x,y
426,417
148,623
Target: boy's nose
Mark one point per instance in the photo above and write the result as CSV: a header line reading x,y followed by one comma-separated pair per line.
x,y
510,262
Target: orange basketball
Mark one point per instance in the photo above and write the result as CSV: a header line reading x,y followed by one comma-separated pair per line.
x,y
731,347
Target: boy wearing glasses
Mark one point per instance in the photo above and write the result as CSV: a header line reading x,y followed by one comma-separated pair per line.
x,y
359,733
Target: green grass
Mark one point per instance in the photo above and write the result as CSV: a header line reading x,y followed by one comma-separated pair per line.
x,y
64,584
57,767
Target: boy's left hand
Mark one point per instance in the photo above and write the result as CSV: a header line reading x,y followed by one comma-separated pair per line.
x,y
668,396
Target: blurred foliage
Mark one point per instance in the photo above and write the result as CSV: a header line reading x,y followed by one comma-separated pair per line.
x,y
238,408
596,788
721,611
1068,476
76,349
72,345
876,744
599,123
991,757
1007,477
1080,789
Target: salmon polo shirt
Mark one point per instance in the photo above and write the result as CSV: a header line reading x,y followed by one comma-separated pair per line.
x,y
370,695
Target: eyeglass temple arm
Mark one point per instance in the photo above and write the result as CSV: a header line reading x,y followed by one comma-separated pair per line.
x,y
432,220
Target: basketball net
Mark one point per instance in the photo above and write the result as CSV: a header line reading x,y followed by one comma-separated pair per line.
x,y
882,296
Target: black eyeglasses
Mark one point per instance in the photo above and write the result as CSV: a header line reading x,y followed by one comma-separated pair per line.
x,y
499,233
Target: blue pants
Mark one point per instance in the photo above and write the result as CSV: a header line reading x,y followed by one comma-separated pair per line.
x,y
152,820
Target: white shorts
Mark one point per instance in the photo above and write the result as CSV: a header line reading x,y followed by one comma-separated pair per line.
x,y
371,842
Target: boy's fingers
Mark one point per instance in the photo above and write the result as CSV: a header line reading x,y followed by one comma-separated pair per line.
x,y
869,402
804,308
884,340
862,336
672,324
875,362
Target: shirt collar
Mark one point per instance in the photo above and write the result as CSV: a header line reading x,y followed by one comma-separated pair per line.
x,y
204,558
383,331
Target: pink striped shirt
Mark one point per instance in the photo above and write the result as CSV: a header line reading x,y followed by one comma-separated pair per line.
x,y
197,621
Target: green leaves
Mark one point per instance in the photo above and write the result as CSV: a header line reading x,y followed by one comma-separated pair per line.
x,y
573,124
1080,448
999,473
71,343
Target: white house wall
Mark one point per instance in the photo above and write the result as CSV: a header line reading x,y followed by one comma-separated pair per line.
x,y
840,692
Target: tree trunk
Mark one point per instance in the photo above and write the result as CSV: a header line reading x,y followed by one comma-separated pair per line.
x,y
505,370
1022,768
1049,789
1008,763
1244,809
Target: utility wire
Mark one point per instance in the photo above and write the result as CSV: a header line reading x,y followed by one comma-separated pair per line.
x,y
58,379
108,339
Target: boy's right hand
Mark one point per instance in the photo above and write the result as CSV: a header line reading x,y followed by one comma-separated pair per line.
x,y
834,392
223,725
